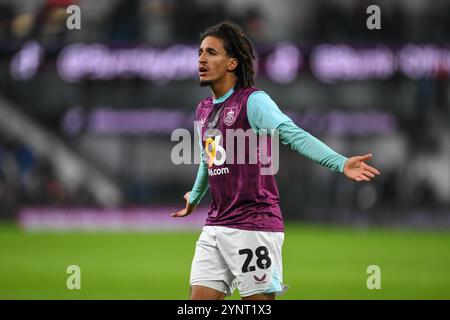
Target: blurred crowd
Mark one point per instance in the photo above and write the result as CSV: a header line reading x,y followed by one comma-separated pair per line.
x,y
167,21
29,179
414,160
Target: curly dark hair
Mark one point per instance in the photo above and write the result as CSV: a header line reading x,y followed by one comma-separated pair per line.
x,y
237,45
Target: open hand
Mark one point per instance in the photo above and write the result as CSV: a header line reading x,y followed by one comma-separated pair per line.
x,y
187,210
356,169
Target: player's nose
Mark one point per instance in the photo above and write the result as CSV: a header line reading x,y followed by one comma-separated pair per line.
x,y
202,59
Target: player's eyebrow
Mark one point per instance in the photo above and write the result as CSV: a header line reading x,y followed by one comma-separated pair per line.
x,y
208,49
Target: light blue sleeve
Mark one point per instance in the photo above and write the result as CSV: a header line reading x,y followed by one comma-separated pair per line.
x,y
200,185
201,181
263,113
311,147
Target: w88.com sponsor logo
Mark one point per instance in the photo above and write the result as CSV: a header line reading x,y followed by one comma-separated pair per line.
x,y
242,147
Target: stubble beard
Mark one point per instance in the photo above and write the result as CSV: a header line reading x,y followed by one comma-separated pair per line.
x,y
205,83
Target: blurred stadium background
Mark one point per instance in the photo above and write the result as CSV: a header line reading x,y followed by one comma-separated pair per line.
x,y
86,117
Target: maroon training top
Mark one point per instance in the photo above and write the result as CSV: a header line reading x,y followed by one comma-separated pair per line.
x,y
242,197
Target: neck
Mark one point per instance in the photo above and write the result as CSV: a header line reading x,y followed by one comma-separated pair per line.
x,y
219,89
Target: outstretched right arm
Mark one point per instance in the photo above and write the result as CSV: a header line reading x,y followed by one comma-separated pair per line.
x,y
200,184
194,197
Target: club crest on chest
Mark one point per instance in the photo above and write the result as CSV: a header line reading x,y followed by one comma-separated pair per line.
x,y
230,115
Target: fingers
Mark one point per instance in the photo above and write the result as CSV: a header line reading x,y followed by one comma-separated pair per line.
x,y
180,213
365,157
362,178
368,174
365,175
368,168
364,171
373,170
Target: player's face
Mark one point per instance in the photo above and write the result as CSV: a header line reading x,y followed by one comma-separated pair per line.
x,y
213,61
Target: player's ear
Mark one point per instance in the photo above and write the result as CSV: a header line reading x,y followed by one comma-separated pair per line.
x,y
232,64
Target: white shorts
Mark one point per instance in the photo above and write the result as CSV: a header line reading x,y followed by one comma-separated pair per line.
x,y
228,258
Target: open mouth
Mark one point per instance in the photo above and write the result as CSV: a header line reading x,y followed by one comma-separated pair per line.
x,y
202,70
